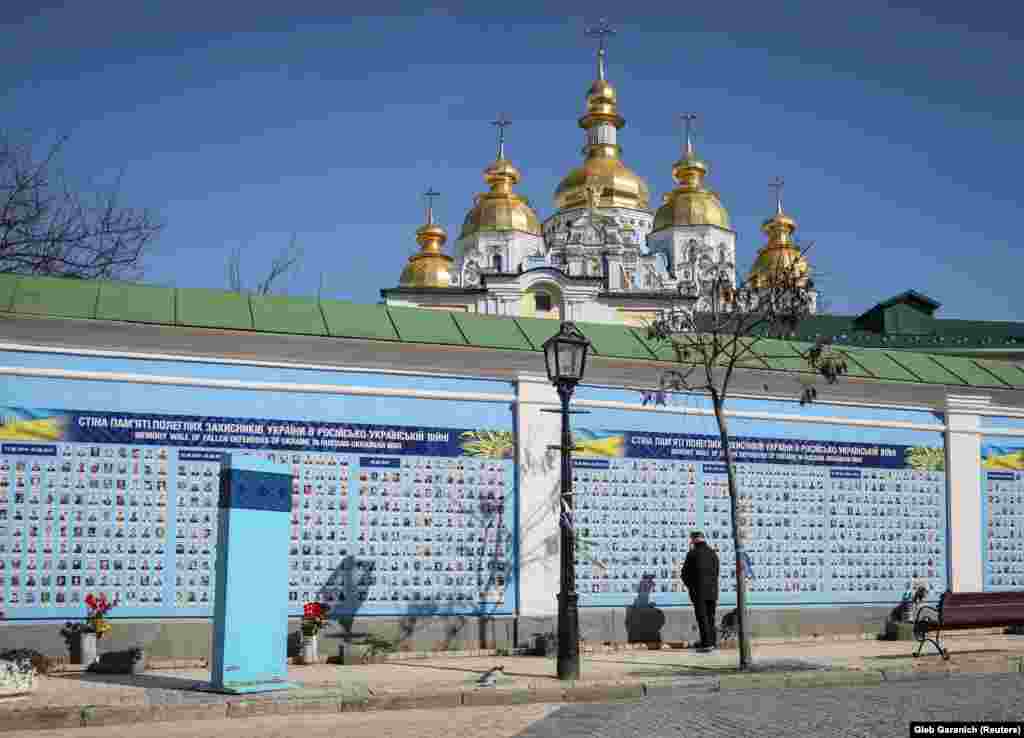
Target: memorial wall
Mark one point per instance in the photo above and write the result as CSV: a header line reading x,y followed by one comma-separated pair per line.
x,y
406,505
113,487
1002,506
829,514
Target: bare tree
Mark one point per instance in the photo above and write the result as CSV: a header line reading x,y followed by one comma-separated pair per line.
x,y
714,329
46,228
284,264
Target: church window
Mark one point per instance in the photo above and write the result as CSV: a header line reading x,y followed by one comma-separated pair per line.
x,y
542,303
497,262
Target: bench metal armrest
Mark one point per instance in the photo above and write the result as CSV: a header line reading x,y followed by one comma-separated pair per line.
x,y
920,627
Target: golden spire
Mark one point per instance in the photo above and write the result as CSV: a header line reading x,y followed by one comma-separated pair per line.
x,y
501,209
781,255
689,171
429,267
601,31
602,166
779,227
777,184
501,124
601,102
688,119
691,203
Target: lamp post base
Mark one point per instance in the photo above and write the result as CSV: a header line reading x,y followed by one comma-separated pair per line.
x,y
568,637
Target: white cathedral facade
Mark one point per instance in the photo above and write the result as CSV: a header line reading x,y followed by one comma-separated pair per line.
x,y
604,255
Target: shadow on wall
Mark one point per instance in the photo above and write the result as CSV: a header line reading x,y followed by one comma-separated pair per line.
x,y
484,563
644,620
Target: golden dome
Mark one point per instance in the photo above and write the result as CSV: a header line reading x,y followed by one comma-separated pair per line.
x,y
780,256
620,186
501,209
429,267
602,105
691,203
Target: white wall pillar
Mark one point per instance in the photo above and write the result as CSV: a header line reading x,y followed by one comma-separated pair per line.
x,y
539,490
963,477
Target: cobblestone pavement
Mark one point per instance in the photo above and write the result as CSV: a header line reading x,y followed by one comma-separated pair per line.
x,y
466,722
172,686
856,711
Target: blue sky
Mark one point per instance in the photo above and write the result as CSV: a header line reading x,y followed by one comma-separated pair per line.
x,y
897,129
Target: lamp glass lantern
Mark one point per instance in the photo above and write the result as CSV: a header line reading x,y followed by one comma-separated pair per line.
x,y
565,355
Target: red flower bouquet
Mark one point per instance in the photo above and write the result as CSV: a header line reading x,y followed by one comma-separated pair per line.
x,y
96,619
314,615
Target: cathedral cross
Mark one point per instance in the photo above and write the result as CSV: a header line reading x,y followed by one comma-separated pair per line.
x,y
777,185
688,120
601,32
501,123
429,195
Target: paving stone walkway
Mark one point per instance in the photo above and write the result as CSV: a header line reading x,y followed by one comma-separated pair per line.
x,y
870,712
449,681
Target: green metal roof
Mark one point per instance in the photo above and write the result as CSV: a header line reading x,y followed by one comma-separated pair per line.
x,y
287,315
135,303
881,365
492,332
7,284
214,309
427,326
925,368
1011,374
349,320
65,298
537,330
614,341
122,301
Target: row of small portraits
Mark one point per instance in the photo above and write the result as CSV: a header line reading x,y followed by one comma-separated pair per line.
x,y
996,544
62,598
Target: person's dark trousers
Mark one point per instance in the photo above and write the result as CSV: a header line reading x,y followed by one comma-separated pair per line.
x,y
705,611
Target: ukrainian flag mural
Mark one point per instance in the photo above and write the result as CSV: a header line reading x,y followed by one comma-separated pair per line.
x,y
19,424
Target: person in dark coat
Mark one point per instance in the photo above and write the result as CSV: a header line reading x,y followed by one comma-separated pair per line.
x,y
700,575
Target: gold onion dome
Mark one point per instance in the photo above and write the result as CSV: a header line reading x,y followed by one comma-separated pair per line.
x,y
501,209
428,267
691,203
620,186
781,256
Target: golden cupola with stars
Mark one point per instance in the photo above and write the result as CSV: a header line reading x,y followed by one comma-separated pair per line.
x,y
691,203
501,209
602,166
781,256
429,267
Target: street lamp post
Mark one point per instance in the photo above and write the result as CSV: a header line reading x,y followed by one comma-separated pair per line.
x,y
565,355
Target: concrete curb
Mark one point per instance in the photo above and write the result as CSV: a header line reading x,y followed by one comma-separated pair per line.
x,y
330,701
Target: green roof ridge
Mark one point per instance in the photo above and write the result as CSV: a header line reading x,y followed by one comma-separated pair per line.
x,y
907,365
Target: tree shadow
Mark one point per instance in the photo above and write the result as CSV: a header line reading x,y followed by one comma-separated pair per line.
x,y
483,549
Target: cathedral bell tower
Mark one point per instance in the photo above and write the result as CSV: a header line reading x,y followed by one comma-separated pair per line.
x,y
692,227
781,255
429,267
602,217
501,231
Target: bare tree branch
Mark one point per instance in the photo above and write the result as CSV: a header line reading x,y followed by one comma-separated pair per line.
x,y
284,264
46,228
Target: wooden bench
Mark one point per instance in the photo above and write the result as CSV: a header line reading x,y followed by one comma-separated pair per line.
x,y
966,610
